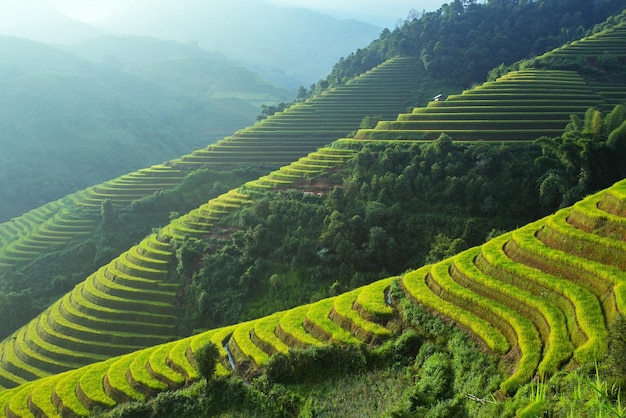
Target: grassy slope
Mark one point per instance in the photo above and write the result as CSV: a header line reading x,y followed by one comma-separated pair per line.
x,y
553,226
365,320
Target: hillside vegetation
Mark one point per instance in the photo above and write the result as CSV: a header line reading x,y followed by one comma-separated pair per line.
x,y
316,235
87,221
533,293
65,120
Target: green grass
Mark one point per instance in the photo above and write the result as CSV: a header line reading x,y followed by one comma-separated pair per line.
x,y
54,352
415,284
177,357
139,287
241,337
12,363
596,276
116,375
65,390
105,313
292,325
587,214
318,314
265,330
86,347
98,297
588,312
372,298
75,315
92,385
528,340
558,347
218,338
41,395
590,246
38,360
108,339
18,403
365,329
158,366
139,371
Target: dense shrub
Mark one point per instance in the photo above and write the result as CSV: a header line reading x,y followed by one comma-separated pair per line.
x,y
131,410
260,398
207,358
397,205
314,364
615,366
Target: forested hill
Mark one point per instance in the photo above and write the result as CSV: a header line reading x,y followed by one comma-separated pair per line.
x,y
373,206
465,39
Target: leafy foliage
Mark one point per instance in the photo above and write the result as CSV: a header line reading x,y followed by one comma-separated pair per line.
x,y
290,248
586,158
314,364
207,358
481,35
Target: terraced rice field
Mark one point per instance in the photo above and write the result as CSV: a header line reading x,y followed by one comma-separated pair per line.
x,y
607,42
130,303
542,295
287,136
547,290
595,50
281,139
520,106
144,373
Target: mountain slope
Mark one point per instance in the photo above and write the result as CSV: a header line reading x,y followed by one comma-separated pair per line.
x,y
544,314
40,22
47,230
200,222
64,120
279,139
514,293
287,46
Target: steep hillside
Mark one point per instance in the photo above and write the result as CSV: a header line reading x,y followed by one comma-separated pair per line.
x,y
64,120
536,100
481,35
73,231
142,264
279,139
540,298
535,293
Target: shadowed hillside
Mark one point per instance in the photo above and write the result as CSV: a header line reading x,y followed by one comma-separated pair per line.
x,y
78,123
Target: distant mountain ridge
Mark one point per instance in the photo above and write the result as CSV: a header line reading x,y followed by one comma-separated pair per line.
x,y
68,122
284,45
41,23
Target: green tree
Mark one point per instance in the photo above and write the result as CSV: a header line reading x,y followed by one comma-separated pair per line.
x,y
587,157
207,358
107,213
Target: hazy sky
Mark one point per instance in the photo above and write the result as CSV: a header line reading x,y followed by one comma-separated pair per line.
x,y
384,13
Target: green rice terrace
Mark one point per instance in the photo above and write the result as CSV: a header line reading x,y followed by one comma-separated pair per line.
x,y
542,295
278,140
521,105
600,51
130,303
